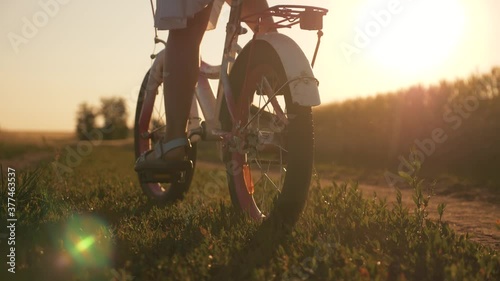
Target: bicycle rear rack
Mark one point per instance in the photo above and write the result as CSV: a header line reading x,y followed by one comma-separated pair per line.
x,y
309,17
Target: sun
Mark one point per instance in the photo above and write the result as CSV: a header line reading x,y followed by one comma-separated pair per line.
x,y
423,35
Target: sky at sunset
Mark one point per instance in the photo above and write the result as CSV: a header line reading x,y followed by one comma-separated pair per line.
x,y
56,54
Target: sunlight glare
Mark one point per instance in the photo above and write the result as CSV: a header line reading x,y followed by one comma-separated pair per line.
x,y
421,37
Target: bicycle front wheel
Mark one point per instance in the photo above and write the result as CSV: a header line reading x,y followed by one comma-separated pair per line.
x,y
270,154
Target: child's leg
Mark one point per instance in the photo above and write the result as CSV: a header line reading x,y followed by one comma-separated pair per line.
x,y
182,68
181,74
254,6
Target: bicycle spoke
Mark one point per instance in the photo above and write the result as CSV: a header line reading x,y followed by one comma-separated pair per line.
x,y
276,107
263,111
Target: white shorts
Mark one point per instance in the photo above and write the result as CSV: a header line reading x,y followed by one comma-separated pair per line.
x,y
173,14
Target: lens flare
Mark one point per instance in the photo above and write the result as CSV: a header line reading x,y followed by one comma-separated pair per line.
x,y
85,243
88,242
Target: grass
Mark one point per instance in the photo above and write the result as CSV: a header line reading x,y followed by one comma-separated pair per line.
x,y
14,144
93,223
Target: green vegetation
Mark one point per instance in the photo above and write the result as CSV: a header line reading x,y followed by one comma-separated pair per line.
x,y
93,223
454,127
114,113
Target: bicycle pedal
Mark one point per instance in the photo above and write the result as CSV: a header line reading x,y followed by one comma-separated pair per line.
x,y
146,177
162,175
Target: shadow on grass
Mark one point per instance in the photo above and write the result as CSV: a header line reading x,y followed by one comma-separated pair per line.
x,y
257,252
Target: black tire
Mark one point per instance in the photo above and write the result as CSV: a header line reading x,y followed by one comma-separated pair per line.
x,y
256,60
170,192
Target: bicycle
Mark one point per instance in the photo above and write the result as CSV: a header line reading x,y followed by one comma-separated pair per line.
x,y
261,118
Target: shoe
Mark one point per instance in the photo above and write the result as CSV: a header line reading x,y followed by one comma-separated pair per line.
x,y
156,169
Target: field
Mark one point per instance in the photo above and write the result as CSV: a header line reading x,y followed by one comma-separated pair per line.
x,y
91,222
21,148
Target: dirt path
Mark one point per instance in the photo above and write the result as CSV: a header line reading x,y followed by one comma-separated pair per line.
x,y
476,217
27,160
33,158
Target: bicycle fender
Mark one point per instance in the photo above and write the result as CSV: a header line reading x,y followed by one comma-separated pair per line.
x,y
303,91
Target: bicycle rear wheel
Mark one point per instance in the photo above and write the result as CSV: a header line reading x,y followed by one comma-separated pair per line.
x,y
149,127
269,158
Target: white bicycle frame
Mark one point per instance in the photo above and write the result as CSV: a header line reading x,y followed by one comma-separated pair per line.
x,y
302,84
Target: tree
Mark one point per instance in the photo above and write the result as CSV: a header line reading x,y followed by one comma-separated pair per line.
x,y
85,121
114,112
